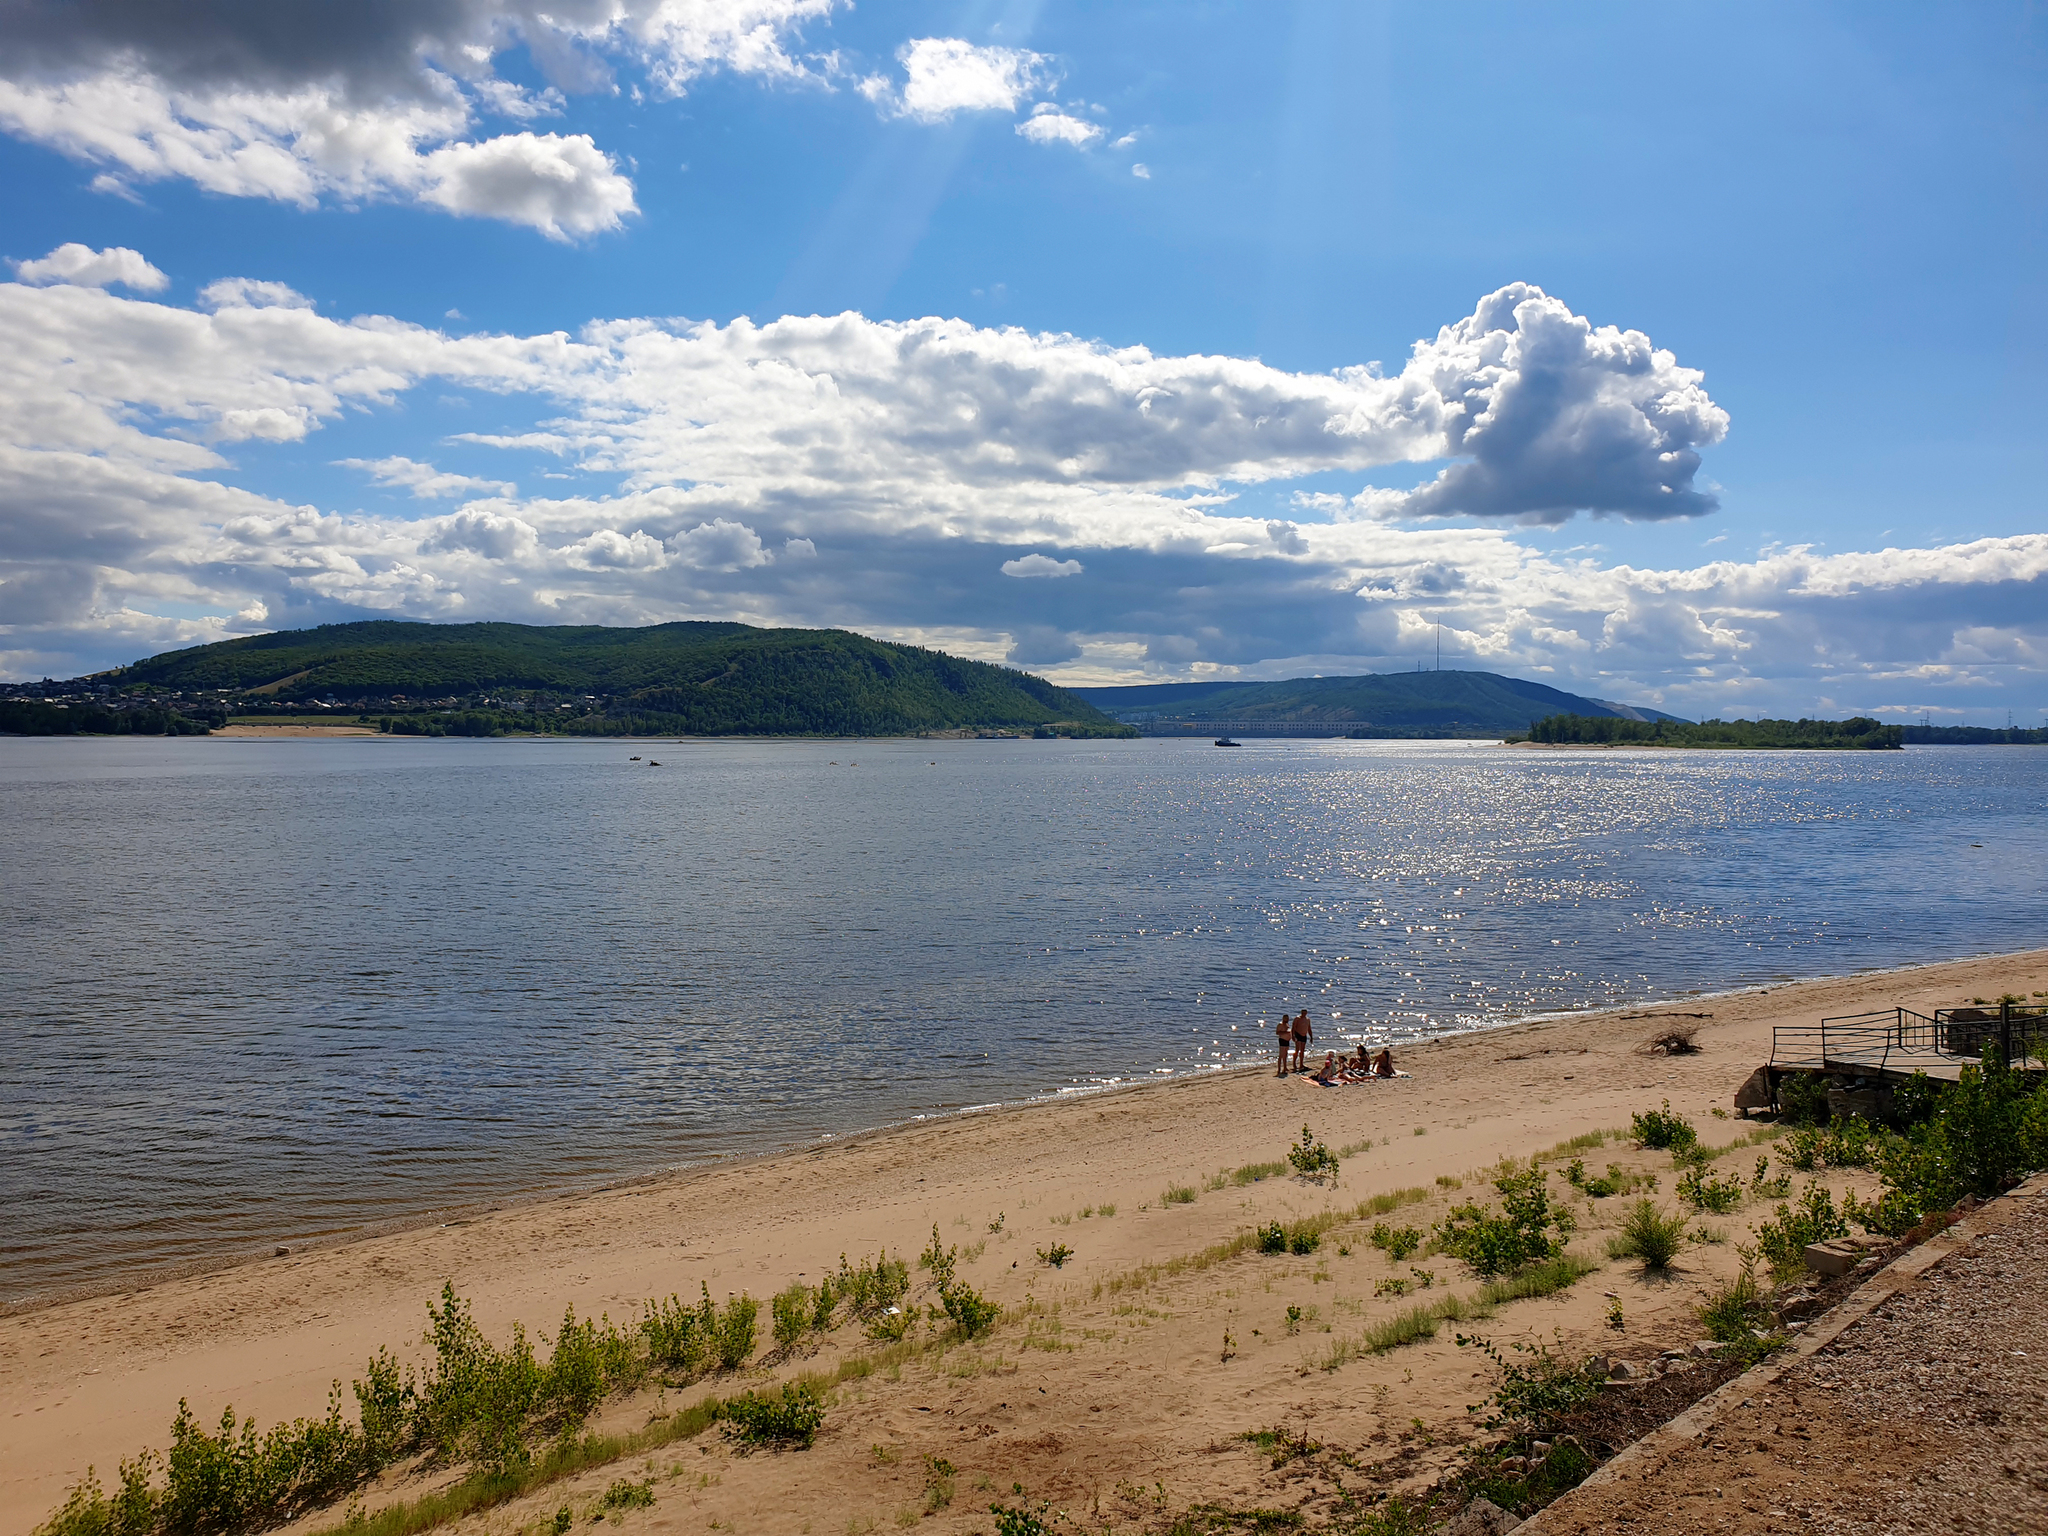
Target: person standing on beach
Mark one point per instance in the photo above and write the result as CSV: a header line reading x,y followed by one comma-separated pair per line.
x,y
1284,1030
1302,1035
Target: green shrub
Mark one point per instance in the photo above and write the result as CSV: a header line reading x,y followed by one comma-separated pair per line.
x,y
590,1361
1763,1186
789,1312
1843,1143
1737,1312
1803,1099
792,1418
1273,1238
874,1286
1783,1242
477,1398
1617,1180
678,1336
1178,1194
734,1340
1310,1159
1661,1129
624,1495
1649,1235
1023,1520
1057,1255
939,1259
972,1313
1714,1194
1397,1242
1532,1395
1527,1229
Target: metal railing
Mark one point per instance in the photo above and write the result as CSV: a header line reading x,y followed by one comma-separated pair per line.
x,y
1899,1039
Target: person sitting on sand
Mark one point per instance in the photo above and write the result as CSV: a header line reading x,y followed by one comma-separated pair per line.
x,y
1285,1030
1328,1073
1383,1064
1303,1033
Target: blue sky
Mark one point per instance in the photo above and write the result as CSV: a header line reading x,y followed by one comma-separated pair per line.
x,y
1827,220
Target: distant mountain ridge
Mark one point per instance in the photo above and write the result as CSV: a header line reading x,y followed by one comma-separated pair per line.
x,y
691,677
1449,703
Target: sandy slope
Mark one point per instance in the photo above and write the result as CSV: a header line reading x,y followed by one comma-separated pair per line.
x,y
1084,1387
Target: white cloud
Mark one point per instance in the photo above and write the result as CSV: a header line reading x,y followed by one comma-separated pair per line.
x,y
367,102
948,75
1126,141
1041,565
425,481
251,293
722,546
1141,170
85,267
1048,125
922,453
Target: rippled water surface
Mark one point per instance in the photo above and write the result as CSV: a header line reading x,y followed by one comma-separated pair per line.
x,y
256,991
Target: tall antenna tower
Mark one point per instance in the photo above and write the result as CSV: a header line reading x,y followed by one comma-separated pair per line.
x,y
1439,645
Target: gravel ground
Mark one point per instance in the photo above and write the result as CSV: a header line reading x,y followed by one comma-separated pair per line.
x,y
1929,1415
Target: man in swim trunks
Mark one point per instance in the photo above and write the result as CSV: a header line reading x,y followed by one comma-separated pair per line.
x,y
1285,1031
1302,1035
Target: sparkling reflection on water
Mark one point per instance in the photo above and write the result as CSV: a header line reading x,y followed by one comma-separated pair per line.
x,y
254,991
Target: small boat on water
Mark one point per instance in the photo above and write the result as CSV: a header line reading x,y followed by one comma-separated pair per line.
x,y
1225,741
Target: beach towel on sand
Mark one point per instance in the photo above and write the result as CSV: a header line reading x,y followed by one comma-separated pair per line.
x,y
1354,1082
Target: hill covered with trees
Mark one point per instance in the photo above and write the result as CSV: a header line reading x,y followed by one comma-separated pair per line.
x,y
691,678
1391,703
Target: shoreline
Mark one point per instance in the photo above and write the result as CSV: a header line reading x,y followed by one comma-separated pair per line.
x,y
144,1277
90,1381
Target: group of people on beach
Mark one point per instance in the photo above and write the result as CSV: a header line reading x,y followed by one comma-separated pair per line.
x,y
1297,1032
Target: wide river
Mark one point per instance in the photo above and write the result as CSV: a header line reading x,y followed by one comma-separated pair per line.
x,y
253,992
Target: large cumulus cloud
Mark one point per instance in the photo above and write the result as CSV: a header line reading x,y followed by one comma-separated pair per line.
x,y
298,102
901,476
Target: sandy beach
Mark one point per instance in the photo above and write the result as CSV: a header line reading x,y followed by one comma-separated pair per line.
x,y
1102,1383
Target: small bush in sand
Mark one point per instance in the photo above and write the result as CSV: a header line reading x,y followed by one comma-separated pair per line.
x,y
1662,1130
1178,1194
1783,1241
1843,1143
1527,1229
1311,1159
939,1259
1649,1235
1056,1255
972,1313
1716,1194
791,1419
1735,1313
625,1495
735,1339
1763,1186
939,1475
874,1286
1396,1242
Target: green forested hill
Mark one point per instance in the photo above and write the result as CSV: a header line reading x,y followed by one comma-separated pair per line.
x,y
696,678
1476,702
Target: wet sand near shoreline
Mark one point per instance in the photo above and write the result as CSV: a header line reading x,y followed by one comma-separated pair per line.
x,y
1085,1386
